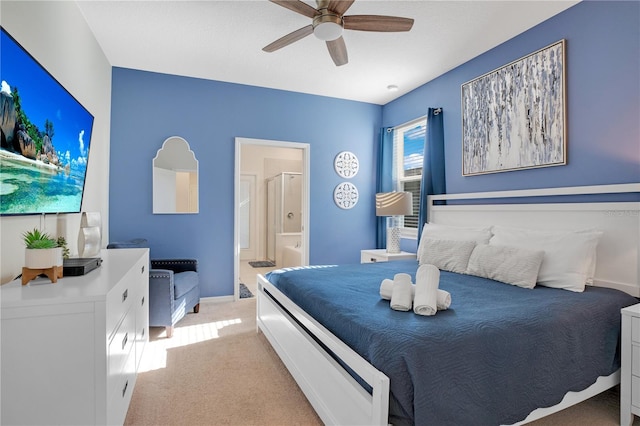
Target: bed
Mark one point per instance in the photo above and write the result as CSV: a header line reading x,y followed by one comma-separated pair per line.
x,y
501,354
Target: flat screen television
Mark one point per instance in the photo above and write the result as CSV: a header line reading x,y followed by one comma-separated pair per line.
x,y
45,138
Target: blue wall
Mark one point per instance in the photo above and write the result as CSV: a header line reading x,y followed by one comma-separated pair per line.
x,y
603,80
603,100
149,107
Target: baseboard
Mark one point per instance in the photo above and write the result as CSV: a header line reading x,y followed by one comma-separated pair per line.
x,y
216,299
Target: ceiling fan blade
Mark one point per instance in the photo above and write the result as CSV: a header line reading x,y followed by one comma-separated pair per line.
x,y
338,51
289,38
297,6
377,23
340,6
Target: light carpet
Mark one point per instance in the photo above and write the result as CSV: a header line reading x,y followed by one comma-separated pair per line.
x,y
217,370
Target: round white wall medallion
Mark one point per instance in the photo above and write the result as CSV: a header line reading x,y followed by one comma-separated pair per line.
x,y
346,164
345,195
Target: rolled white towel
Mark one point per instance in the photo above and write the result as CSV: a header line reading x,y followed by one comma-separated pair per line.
x,y
444,300
401,277
401,297
386,290
426,297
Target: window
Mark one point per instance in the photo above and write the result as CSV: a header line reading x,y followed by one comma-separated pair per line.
x,y
408,148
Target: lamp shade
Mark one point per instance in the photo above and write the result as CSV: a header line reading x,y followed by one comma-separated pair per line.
x,y
394,204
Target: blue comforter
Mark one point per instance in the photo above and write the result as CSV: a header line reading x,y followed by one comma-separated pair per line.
x,y
498,353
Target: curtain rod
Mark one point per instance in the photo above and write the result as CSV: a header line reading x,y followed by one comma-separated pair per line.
x,y
408,123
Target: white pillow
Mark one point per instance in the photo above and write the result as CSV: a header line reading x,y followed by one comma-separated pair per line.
x,y
569,258
447,255
510,265
434,231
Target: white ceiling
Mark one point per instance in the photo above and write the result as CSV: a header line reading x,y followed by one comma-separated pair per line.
x,y
223,40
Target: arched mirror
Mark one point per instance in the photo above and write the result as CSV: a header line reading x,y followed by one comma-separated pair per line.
x,y
175,178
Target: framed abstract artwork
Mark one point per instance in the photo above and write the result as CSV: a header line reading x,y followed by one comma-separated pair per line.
x,y
514,117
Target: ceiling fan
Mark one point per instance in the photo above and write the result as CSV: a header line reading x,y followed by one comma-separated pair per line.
x,y
329,22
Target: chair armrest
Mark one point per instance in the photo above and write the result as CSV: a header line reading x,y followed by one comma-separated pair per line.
x,y
175,265
161,283
161,297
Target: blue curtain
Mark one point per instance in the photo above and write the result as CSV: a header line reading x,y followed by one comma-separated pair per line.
x,y
433,168
384,180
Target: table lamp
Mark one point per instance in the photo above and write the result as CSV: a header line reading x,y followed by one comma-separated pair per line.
x,y
393,205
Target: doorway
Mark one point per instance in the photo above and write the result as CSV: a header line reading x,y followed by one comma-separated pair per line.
x,y
257,162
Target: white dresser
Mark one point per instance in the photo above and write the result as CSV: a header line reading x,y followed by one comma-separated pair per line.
x,y
71,350
630,374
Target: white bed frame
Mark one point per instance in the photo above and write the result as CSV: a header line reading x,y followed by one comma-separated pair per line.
x,y
340,400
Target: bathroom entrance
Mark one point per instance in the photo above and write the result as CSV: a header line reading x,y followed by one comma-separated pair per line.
x,y
271,207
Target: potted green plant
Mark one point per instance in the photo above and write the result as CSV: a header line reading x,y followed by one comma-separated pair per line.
x,y
62,242
42,251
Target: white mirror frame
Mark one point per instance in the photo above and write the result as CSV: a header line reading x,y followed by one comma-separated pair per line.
x,y
175,178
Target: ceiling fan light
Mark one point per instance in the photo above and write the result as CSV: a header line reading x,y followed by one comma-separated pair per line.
x,y
327,31
327,27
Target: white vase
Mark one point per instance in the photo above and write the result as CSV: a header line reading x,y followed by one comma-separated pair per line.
x,y
89,241
43,258
90,219
90,235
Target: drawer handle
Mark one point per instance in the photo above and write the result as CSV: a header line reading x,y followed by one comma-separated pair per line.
x,y
374,260
124,390
142,302
124,341
142,270
125,295
144,330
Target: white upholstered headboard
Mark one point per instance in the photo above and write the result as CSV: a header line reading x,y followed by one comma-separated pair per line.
x,y
618,263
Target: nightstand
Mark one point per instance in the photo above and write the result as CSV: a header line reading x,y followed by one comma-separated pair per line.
x,y
630,371
381,255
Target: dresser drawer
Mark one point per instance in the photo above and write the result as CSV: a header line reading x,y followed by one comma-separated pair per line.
x,y
142,326
120,394
124,294
119,301
635,360
120,349
635,329
635,391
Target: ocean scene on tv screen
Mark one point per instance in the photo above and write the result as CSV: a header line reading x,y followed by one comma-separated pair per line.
x,y
45,138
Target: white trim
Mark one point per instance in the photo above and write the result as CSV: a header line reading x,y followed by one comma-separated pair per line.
x,y
216,299
521,193
254,228
410,122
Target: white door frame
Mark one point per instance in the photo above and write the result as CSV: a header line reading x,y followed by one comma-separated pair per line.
x,y
250,252
306,148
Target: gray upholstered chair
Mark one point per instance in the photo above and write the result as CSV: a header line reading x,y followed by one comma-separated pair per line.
x,y
174,287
